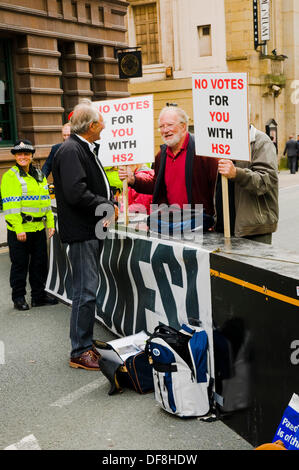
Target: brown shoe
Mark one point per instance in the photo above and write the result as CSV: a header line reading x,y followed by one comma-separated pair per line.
x,y
88,360
96,352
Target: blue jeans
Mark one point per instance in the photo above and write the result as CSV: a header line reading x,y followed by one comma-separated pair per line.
x,y
84,257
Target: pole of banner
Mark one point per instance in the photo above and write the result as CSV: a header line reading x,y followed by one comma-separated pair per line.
x,y
226,221
125,202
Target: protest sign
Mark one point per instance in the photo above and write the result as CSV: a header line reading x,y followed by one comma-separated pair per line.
x,y
128,137
288,429
221,121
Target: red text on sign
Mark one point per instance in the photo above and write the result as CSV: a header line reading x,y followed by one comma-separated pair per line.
x,y
227,83
221,149
219,117
131,106
122,132
122,158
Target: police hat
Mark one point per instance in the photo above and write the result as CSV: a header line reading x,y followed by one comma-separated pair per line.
x,y
23,146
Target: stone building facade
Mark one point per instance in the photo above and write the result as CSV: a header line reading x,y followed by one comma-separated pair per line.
x,y
52,54
186,36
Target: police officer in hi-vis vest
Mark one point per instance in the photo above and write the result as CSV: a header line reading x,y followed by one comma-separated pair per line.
x,y
27,209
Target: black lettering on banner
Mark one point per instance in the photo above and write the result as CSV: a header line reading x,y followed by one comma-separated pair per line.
x,y
66,283
191,264
61,268
125,298
145,297
104,287
165,255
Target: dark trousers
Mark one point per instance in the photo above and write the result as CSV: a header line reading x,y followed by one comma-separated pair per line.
x,y
84,258
28,257
292,164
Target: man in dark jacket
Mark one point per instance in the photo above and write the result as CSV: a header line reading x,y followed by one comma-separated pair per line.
x,y
47,166
181,177
81,188
291,150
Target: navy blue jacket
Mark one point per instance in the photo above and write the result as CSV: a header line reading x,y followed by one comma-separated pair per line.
x,y
47,166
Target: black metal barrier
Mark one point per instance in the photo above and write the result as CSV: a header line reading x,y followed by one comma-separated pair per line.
x,y
252,291
255,302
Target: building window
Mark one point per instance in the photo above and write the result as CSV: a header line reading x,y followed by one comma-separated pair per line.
x,y
74,10
88,12
59,7
101,14
147,32
204,40
7,108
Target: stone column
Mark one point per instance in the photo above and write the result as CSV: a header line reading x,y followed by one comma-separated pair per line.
x,y
76,74
106,82
38,91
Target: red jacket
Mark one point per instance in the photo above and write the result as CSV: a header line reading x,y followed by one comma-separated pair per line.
x,y
201,174
136,199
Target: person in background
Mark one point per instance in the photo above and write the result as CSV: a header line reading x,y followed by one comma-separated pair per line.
x,y
180,176
138,202
47,166
253,191
291,149
297,164
82,187
27,209
114,181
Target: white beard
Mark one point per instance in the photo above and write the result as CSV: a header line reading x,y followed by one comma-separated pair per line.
x,y
174,140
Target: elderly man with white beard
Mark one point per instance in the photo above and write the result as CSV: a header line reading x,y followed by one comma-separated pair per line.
x,y
181,177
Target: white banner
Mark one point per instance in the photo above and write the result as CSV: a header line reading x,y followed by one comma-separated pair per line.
x,y
143,282
265,19
221,121
128,137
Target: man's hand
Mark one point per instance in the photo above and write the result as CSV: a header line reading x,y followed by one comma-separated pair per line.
x,y
22,237
51,232
126,173
227,168
111,219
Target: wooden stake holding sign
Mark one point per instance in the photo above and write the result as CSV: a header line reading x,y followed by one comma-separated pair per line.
x,y
125,200
221,122
225,202
128,137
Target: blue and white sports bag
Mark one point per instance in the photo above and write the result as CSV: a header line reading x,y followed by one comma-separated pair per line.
x,y
180,369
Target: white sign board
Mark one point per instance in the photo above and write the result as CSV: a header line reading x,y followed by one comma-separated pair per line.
x,y
220,110
128,137
265,19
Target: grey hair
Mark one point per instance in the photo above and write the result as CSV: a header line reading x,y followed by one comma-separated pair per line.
x,y
182,115
84,114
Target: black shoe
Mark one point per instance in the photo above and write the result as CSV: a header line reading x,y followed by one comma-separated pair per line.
x,y
44,301
21,304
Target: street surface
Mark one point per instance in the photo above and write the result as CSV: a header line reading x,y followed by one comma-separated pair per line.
x,y
287,235
47,405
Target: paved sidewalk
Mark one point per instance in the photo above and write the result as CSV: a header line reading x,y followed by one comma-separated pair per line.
x,y
287,180
47,405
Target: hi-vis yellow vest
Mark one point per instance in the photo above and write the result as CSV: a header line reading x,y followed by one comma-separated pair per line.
x,y
23,194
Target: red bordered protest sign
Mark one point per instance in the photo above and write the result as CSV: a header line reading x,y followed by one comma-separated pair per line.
x,y
221,118
128,137
221,121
